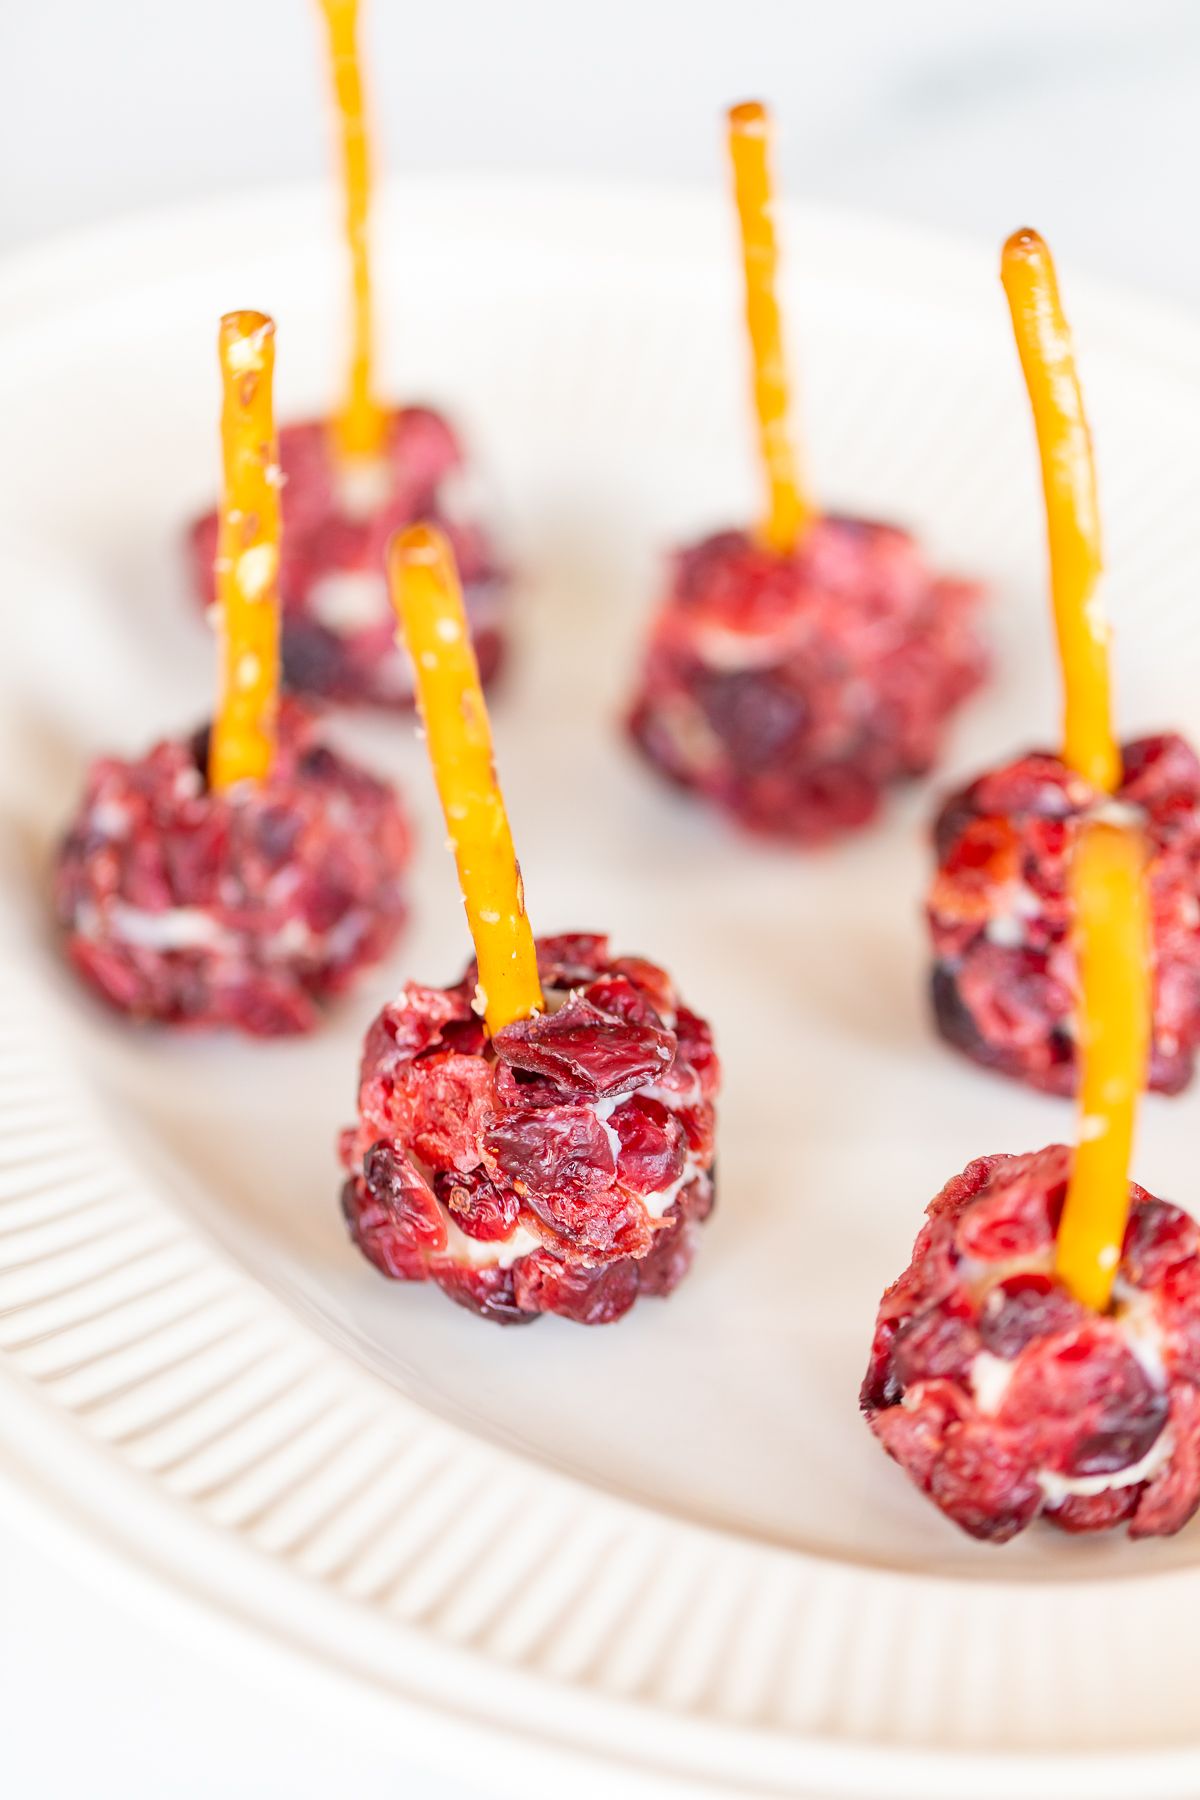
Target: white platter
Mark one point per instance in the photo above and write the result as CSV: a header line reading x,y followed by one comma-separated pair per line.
x,y
669,1552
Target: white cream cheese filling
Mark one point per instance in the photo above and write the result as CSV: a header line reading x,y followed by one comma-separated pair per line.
x,y
177,928
349,600
487,1253
1007,926
111,819
174,928
729,652
989,1377
364,485
1058,1488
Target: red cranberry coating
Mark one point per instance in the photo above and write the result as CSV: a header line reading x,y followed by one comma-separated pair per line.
x,y
344,649
590,1050
247,908
791,690
565,1167
1061,1394
1004,981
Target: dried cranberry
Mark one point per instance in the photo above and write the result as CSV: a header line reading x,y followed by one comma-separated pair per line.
x,y
326,902
478,1206
1177,1299
589,1296
983,1482
670,1254
651,982
880,1386
1086,1399
489,1292
986,855
414,1023
1025,1307
1158,1236
197,856
517,1087
699,1127
544,1152
695,1040
757,714
263,1008
617,996
653,1151
320,762
439,1105
585,1051
955,1021
697,1200
1161,765
275,833
916,1437
1096,1512
930,1278
466,1037
1037,785
560,1162
1173,1496
389,1218
1127,1432
398,1185
1015,1000
313,658
571,959
938,1343
1019,1216
961,1190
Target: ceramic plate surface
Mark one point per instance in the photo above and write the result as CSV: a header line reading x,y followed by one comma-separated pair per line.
x,y
669,1550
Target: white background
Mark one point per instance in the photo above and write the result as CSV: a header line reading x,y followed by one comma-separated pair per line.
x,y
1081,116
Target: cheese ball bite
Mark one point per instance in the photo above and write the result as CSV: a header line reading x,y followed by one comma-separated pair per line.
x,y
791,689
538,1138
350,480
1006,1399
241,876
245,907
338,633
562,1165
1004,984
1041,1353
795,672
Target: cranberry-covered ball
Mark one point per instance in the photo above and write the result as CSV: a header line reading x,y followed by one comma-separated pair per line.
x,y
338,626
244,908
1005,989
1005,1399
564,1166
791,690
